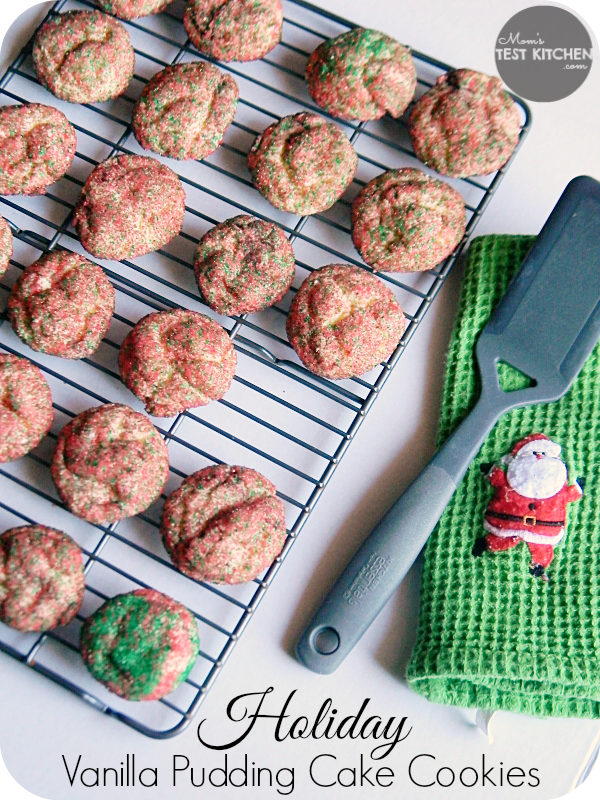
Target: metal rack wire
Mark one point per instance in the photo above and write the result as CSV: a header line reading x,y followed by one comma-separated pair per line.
x,y
278,417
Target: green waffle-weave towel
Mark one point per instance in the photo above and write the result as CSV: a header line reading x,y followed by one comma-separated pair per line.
x,y
490,635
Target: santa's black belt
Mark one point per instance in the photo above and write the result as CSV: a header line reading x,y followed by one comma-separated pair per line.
x,y
527,519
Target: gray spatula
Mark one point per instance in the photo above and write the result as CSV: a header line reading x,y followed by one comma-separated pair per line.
x,y
546,325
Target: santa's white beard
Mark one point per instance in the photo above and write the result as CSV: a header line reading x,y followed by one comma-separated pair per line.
x,y
536,477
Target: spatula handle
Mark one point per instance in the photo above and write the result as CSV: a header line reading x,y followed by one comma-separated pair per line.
x,y
387,554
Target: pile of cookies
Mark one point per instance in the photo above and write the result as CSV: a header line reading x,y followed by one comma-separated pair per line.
x,y
224,524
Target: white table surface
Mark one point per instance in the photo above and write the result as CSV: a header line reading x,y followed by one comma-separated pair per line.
x,y
40,722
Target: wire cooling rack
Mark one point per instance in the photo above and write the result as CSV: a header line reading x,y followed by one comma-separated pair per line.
x,y
278,418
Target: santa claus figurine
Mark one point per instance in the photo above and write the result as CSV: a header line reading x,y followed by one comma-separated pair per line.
x,y
529,502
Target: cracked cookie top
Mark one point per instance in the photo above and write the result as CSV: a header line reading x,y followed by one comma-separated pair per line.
x,y
132,9
302,163
37,146
110,462
185,110
234,30
344,321
466,124
62,305
83,56
26,412
361,75
406,221
173,360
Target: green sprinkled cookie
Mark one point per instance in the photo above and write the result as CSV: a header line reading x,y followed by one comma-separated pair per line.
x,y
302,163
26,412
244,264
62,305
41,578
6,245
185,110
173,360
83,56
132,9
110,462
224,524
37,147
406,221
361,75
140,645
344,321
234,30
466,124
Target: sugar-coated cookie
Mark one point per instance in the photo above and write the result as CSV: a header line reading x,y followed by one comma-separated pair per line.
x,y
130,205
173,360
224,524
110,462
406,221
83,56
466,124
62,305
37,147
344,321
234,30
141,645
244,264
41,578
26,412
302,163
362,74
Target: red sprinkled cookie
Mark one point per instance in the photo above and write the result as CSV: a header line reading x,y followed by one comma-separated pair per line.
x,y
110,462
466,124
344,321
140,645
224,524
234,30
173,360
405,221
83,56
132,9
129,206
243,265
302,164
37,147
41,578
62,305
26,412
185,110
6,246
362,74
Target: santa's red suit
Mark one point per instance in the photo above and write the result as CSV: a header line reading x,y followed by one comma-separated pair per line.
x,y
529,504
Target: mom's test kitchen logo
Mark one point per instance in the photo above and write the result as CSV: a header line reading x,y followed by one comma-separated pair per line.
x,y
544,53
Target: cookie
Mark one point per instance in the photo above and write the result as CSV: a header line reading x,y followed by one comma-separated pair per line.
x,y
6,246
83,56
110,462
141,645
26,412
37,147
41,578
302,164
344,321
129,206
361,75
173,360
234,30
62,305
224,524
132,9
466,124
243,265
185,110
405,221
